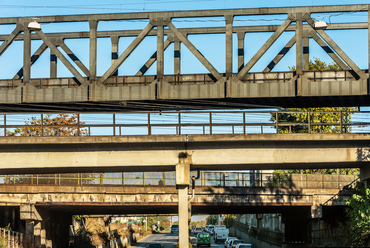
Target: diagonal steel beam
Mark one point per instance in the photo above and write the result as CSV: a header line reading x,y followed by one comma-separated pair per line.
x,y
151,60
10,38
126,53
75,59
337,49
264,48
34,58
195,51
280,55
60,56
329,51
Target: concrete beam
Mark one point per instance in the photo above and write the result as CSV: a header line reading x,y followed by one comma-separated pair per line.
x,y
150,153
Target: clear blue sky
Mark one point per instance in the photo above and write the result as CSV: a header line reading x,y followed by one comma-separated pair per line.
x,y
11,60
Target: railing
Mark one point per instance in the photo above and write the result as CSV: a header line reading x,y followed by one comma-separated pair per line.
x,y
268,236
10,239
210,179
177,123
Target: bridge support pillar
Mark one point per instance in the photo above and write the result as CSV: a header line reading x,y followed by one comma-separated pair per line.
x,y
365,175
182,185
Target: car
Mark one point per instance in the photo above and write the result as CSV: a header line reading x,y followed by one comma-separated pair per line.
x,y
174,228
244,245
228,240
203,238
235,242
155,245
197,230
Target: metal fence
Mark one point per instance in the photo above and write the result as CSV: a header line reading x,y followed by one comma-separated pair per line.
x,y
215,179
10,239
191,122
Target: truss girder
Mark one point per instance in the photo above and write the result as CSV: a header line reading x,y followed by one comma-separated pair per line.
x,y
298,21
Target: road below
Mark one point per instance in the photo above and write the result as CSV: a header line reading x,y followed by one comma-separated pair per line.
x,y
170,240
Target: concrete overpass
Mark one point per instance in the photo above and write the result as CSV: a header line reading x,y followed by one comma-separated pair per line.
x,y
227,88
162,152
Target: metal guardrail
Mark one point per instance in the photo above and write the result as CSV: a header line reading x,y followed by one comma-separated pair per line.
x,y
11,239
212,179
191,122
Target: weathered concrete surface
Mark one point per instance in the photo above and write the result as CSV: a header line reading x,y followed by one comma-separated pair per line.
x,y
161,153
95,200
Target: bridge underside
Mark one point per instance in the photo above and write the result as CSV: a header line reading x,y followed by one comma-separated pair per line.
x,y
195,104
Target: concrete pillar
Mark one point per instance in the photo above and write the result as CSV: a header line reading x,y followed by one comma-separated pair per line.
x,y
93,48
27,55
229,45
37,234
182,185
160,52
177,55
114,40
241,37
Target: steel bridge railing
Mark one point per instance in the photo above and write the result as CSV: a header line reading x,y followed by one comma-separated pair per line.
x,y
207,179
177,123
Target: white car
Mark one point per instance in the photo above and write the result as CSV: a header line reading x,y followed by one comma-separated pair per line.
x,y
235,242
244,246
228,240
197,230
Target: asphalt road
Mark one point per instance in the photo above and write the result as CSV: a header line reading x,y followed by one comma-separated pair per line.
x,y
170,240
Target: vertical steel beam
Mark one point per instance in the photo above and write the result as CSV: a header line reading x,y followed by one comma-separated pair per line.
x,y
264,48
195,51
229,45
93,48
306,51
114,40
177,57
126,53
299,43
27,55
53,64
241,37
160,52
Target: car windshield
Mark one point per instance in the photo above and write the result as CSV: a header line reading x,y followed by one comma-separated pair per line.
x,y
238,241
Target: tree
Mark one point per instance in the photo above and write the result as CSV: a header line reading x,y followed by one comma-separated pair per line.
x,y
212,219
60,125
359,216
229,219
329,118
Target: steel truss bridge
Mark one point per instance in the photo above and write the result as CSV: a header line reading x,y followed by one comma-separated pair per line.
x,y
87,91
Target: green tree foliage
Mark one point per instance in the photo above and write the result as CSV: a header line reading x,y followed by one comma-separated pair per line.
x,y
359,216
229,219
323,120
212,219
60,125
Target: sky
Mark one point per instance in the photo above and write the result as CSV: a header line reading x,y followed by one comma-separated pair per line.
x,y
212,46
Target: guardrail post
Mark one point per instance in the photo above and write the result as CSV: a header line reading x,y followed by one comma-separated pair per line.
x,y
309,122
149,127
114,124
4,124
244,129
42,124
210,123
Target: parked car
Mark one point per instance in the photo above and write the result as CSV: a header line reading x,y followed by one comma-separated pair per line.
x,y
228,240
174,228
235,242
244,245
155,245
203,238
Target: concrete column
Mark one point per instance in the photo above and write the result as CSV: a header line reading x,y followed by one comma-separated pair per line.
x,y
114,40
299,44
182,184
160,52
37,234
93,48
27,55
229,45
177,55
306,51
241,37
